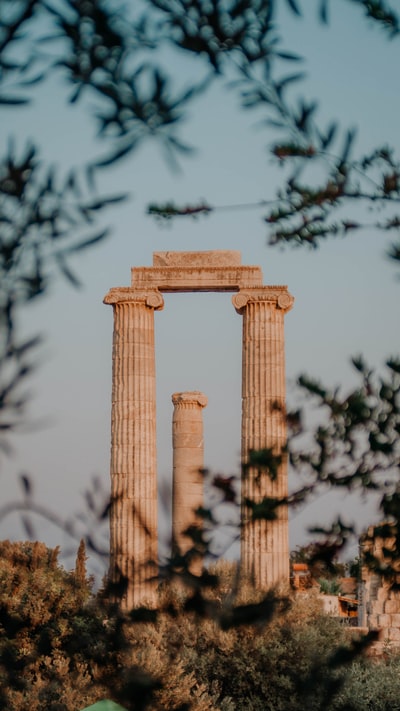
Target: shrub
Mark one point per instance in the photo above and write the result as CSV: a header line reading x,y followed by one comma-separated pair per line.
x,y
62,649
49,632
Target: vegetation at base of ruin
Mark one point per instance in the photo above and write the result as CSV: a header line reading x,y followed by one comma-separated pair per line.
x,y
46,625
63,648
329,587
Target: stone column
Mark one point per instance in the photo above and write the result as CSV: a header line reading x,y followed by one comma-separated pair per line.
x,y
188,461
264,544
133,514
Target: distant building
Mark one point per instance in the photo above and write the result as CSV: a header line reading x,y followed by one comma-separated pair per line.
x,y
344,604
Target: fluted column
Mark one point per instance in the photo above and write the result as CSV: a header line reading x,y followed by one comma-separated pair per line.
x,y
133,515
264,544
188,461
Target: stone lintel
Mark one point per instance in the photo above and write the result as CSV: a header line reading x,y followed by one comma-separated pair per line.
x,y
196,278
278,295
211,258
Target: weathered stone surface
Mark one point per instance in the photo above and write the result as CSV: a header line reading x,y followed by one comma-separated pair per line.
x,y
213,258
276,295
148,296
196,278
384,621
380,603
265,551
265,544
395,618
196,271
393,633
373,622
188,462
133,513
383,593
379,607
392,606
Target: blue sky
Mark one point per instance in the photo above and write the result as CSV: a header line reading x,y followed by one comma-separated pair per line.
x,y
346,293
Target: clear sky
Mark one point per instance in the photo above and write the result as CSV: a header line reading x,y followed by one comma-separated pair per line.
x,y
346,293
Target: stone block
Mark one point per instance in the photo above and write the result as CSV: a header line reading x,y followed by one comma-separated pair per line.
x,y
378,607
215,258
189,441
191,426
384,620
395,619
383,594
393,634
392,606
177,279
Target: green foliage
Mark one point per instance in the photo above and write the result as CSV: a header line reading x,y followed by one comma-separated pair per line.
x,y
62,649
309,554
356,448
297,659
51,637
44,221
261,668
329,586
137,99
371,685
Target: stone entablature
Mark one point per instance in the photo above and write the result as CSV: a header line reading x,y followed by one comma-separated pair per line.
x,y
196,271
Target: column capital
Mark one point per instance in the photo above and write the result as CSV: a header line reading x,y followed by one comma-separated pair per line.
x,y
194,397
276,295
152,298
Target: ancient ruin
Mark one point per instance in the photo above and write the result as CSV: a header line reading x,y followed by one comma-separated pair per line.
x,y
379,594
133,519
